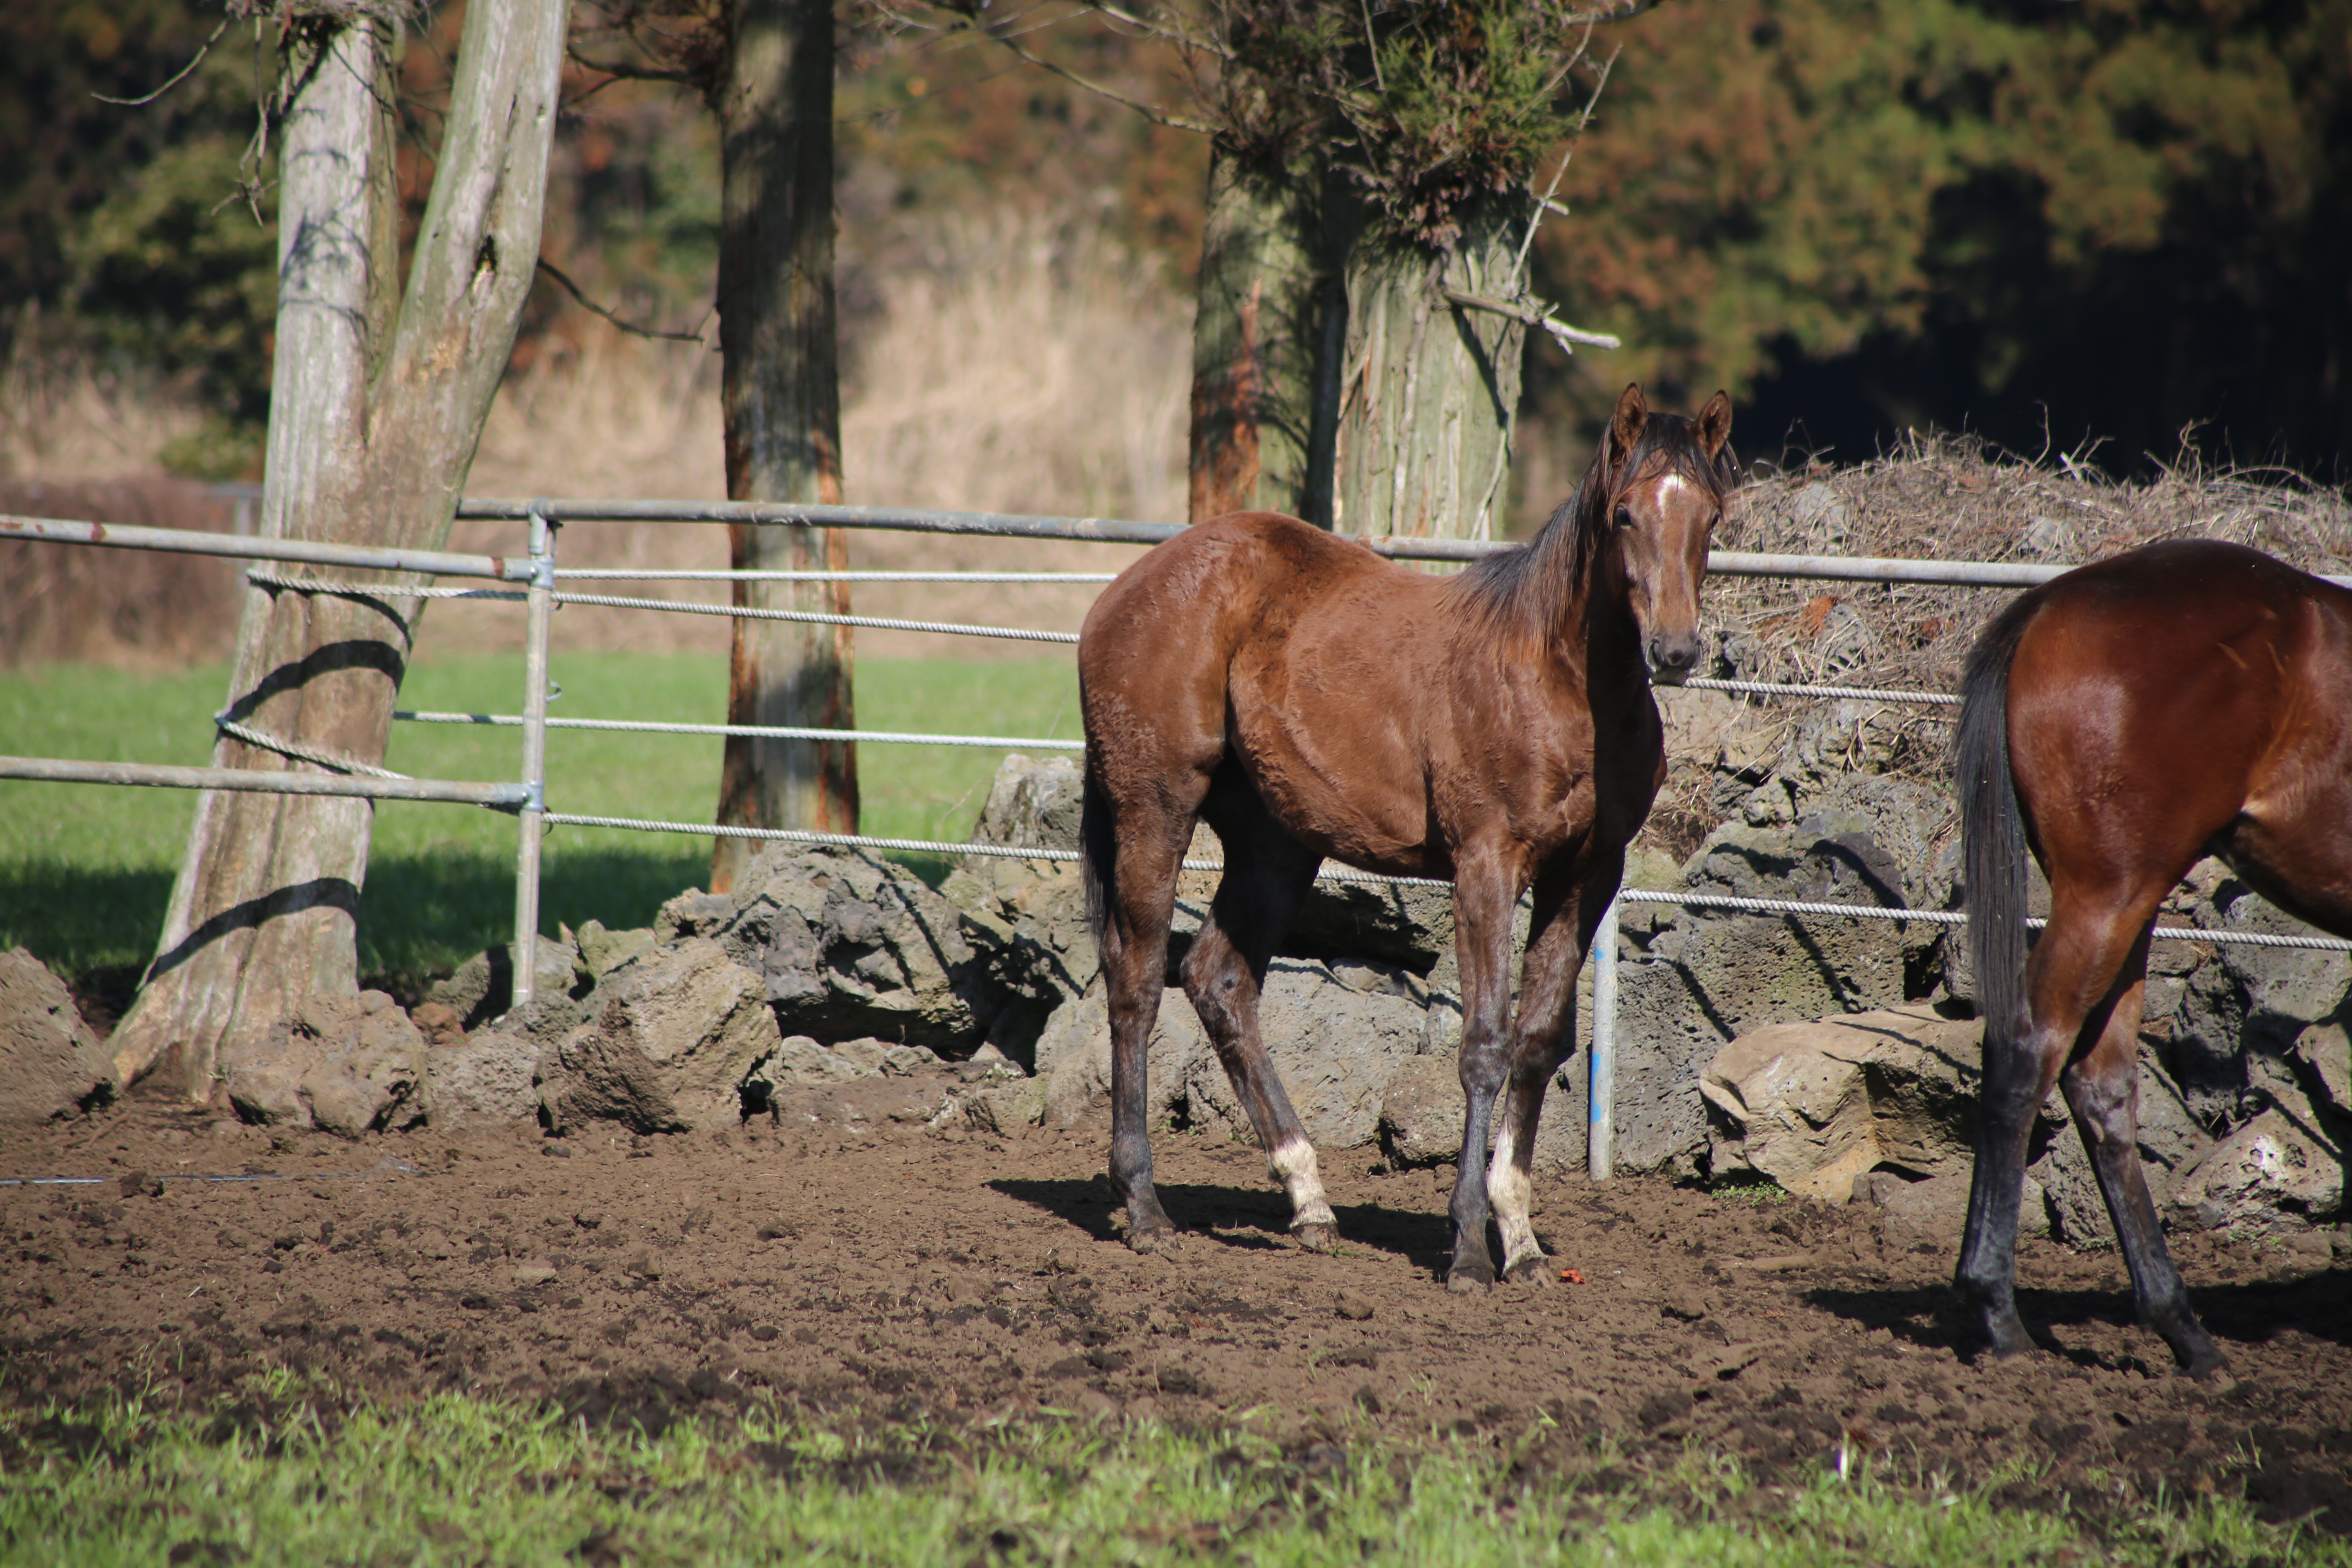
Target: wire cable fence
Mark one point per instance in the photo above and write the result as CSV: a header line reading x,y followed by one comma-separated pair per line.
x,y
535,578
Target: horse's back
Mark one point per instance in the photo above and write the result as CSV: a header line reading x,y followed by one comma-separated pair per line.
x,y
2192,691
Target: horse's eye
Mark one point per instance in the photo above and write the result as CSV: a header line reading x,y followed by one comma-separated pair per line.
x,y
1624,517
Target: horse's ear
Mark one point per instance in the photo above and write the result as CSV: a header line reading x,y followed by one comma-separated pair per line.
x,y
1715,423
1625,424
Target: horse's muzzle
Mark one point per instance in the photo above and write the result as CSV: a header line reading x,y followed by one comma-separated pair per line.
x,y
1672,658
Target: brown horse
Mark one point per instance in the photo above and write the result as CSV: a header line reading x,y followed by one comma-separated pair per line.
x,y
1310,699
2181,700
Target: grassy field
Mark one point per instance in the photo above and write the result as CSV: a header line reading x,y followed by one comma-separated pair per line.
x,y
457,1480
85,870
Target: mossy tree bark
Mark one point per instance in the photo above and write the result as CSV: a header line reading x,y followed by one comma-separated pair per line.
x,y
1266,336
782,411
1431,386
377,402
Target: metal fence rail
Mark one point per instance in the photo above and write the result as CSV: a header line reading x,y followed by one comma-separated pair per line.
x,y
538,575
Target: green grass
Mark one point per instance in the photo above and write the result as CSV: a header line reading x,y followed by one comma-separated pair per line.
x,y
457,1480
85,870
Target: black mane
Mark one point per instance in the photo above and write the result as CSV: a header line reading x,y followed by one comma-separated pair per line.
x,y
1519,593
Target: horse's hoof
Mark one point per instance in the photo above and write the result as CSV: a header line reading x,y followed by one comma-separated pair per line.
x,y
1470,1279
1536,1271
2209,1367
1153,1238
1316,1237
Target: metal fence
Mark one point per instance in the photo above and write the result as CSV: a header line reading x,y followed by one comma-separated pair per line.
x,y
539,588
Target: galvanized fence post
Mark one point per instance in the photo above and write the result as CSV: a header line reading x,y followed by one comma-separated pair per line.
x,y
539,604
1600,1081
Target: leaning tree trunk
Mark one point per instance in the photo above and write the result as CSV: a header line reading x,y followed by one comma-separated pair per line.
x,y
1266,336
1431,386
782,412
376,405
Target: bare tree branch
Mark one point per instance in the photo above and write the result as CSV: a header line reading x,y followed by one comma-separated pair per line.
x,y
184,72
568,287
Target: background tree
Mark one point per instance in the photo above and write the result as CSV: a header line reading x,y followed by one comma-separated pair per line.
x,y
766,67
1363,293
2110,221
377,400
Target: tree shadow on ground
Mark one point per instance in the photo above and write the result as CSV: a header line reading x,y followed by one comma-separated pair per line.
x,y
419,914
1247,1219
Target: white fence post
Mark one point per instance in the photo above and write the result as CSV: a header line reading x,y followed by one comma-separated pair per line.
x,y
539,604
1600,1081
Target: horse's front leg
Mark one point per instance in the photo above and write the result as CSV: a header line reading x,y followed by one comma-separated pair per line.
x,y
1567,910
1484,891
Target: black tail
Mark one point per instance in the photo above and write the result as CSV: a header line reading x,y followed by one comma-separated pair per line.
x,y
1992,834
1097,853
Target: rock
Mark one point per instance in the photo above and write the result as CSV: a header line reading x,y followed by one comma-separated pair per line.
x,y
482,988
2246,1007
1033,803
1794,1107
849,945
1029,924
692,913
802,1061
2325,1053
52,1063
1933,1213
1815,1105
678,1030
1689,982
485,1079
439,1023
1421,1119
342,1064
2273,1175
602,951
1335,1047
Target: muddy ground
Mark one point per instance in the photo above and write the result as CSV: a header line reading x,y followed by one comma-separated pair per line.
x,y
850,1264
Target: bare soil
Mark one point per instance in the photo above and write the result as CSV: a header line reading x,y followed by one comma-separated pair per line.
x,y
841,1262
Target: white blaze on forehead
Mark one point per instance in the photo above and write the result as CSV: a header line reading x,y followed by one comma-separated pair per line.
x,y
1669,486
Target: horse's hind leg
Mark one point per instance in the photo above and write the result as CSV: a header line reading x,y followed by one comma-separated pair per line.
x,y
1141,897
2101,1085
2072,976
1268,874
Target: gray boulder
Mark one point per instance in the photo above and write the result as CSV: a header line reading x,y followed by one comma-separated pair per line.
x,y
481,990
1690,981
2242,1009
341,1064
52,1063
1334,1043
678,1031
1028,926
2278,1173
1932,1214
485,1079
848,945
2170,1140
1421,1119
1033,803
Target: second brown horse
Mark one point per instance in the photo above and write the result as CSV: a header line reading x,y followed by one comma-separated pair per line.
x,y
2183,700
1309,700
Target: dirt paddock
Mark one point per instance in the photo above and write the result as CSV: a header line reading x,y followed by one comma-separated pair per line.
x,y
842,1262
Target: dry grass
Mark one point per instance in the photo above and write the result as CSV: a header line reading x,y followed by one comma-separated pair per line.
x,y
61,421
1017,367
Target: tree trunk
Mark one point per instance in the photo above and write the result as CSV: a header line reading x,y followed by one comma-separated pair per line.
x,y
782,411
374,421
1430,387
1266,336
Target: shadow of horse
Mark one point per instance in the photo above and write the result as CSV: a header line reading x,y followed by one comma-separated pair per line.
x,y
1245,1219
2249,1312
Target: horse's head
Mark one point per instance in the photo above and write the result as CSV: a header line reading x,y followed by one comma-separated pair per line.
x,y
1666,479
